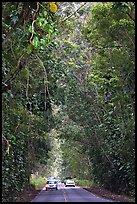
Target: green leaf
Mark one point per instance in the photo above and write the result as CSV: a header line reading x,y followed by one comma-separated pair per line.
x,y
29,49
36,42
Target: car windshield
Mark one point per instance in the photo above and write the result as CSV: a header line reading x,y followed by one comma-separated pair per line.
x,y
70,181
51,182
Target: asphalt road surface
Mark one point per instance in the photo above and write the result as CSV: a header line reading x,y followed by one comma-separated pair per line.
x,y
68,194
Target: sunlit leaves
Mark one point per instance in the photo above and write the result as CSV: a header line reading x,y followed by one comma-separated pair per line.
x,y
35,42
41,22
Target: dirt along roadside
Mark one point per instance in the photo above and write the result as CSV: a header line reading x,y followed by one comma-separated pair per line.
x,y
27,195
100,191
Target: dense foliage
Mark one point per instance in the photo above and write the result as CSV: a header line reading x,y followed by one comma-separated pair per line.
x,y
68,72
110,31
27,115
99,86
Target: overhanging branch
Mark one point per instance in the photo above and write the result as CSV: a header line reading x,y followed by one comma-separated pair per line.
x,y
6,85
74,12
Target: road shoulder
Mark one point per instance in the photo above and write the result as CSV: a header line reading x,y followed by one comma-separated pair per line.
x,y
107,194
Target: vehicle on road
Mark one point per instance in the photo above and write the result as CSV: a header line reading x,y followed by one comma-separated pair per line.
x,y
70,182
51,184
52,178
64,179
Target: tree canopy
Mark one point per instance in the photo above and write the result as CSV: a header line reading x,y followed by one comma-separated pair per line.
x,y
68,93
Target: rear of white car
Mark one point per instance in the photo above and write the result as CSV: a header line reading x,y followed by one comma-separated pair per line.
x,y
51,185
70,182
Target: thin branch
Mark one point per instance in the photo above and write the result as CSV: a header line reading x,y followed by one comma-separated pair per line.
x,y
108,159
45,79
131,17
74,12
16,128
78,78
5,141
34,20
27,88
20,66
4,85
106,47
12,51
97,117
130,38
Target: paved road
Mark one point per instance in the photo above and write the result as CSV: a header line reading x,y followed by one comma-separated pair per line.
x,y
68,194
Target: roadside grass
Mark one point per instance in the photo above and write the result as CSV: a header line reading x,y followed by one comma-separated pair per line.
x,y
38,181
84,183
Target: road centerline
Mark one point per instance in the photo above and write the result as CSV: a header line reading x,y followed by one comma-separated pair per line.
x,y
65,195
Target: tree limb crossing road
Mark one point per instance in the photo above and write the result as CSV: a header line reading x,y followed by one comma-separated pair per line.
x,y
68,194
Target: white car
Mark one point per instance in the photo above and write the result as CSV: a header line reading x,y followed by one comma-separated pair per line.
x,y
69,182
51,184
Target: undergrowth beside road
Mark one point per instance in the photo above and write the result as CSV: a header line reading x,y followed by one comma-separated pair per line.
x,y
38,181
81,182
